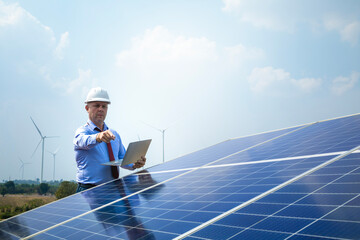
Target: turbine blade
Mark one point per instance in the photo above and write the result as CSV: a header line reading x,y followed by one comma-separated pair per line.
x,y
57,150
152,126
36,148
36,127
172,124
51,136
21,160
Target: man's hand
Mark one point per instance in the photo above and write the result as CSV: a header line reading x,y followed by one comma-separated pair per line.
x,y
140,163
105,136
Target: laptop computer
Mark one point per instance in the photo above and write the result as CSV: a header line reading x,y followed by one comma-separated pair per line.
x,y
133,153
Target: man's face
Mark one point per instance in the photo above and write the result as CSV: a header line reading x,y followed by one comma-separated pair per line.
x,y
97,111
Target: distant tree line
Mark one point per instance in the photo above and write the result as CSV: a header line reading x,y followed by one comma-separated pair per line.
x,y
64,188
60,190
11,188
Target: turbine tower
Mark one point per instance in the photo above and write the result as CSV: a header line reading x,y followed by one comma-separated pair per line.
x,y
54,154
163,136
42,140
22,167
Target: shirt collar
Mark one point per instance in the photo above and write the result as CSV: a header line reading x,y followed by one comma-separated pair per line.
x,y
93,126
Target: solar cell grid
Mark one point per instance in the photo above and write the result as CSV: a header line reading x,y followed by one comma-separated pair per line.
x,y
204,204
74,208
33,221
187,199
323,209
323,137
220,150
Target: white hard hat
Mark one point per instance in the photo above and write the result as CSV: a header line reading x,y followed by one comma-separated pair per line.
x,y
97,95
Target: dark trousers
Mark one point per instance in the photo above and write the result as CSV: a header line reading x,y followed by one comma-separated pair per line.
x,y
82,186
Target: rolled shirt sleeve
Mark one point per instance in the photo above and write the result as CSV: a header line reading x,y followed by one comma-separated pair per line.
x,y
84,141
90,154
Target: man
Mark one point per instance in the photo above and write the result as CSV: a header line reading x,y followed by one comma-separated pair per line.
x,y
95,143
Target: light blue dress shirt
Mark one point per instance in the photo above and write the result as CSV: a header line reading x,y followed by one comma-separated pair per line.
x,y
90,154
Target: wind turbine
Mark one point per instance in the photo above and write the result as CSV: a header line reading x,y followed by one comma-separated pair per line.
x,y
42,140
22,167
163,136
54,154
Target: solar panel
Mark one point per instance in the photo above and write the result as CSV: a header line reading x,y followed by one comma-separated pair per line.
x,y
295,183
322,205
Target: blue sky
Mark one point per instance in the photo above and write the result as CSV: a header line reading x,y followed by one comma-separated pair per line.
x,y
208,70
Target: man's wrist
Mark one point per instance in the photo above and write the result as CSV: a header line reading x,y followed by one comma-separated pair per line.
x,y
98,138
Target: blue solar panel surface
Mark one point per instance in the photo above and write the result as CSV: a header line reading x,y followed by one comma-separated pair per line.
x,y
323,137
34,221
184,202
168,200
220,150
322,205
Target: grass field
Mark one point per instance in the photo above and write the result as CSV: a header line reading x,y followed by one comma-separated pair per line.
x,y
13,204
17,200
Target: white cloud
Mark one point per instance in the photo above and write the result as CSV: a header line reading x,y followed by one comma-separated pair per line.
x,y
307,84
27,44
269,80
232,5
63,43
159,46
167,65
349,30
163,65
30,47
285,16
84,79
271,15
341,84
239,53
176,73
10,14
78,86
262,79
